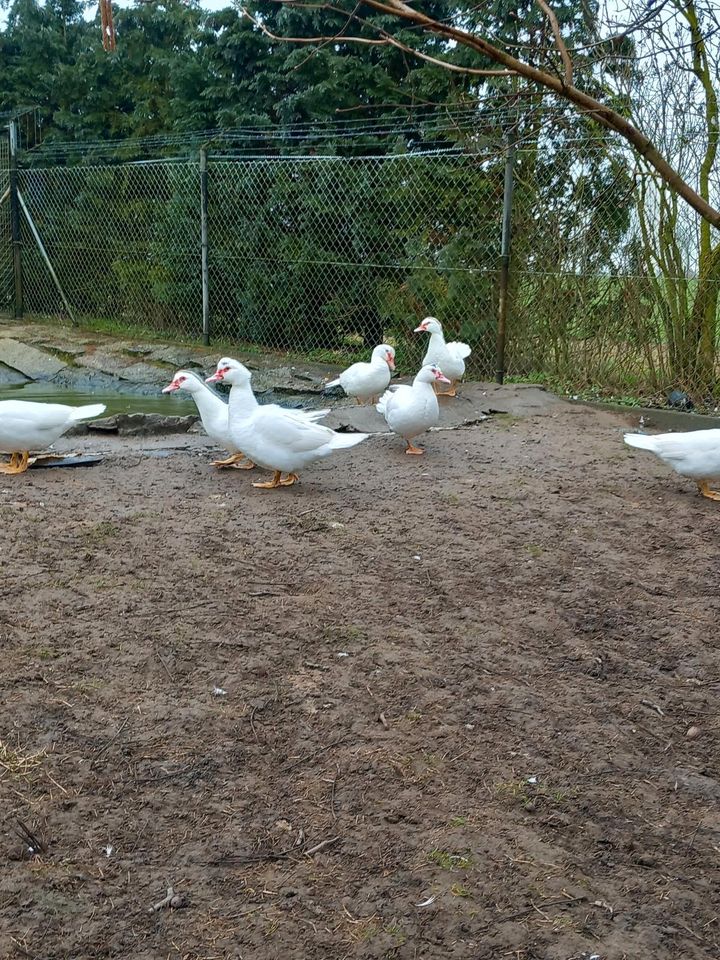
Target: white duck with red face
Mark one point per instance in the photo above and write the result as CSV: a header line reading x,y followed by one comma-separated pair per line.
x,y
277,439
450,357
213,412
366,381
411,410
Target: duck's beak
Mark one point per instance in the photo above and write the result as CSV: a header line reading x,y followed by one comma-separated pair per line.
x,y
217,376
171,386
421,329
441,378
391,363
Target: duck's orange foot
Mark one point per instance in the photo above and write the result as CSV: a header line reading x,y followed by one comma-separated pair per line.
x,y
452,392
277,481
706,491
234,461
416,451
19,462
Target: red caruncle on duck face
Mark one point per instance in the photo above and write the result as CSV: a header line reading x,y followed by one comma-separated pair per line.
x,y
176,384
219,374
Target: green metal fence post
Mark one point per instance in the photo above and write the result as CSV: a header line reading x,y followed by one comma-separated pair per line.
x,y
505,261
204,246
15,221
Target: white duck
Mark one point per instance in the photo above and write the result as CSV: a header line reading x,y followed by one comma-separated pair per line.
x,y
695,454
366,381
411,410
213,412
450,357
278,439
214,416
27,425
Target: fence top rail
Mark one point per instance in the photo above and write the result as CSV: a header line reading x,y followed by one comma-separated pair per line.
x,y
248,159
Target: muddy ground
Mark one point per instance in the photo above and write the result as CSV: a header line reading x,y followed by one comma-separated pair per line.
x,y
463,706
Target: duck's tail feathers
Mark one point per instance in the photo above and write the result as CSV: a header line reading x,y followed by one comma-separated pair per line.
x,y
88,411
641,440
341,440
381,405
316,415
460,350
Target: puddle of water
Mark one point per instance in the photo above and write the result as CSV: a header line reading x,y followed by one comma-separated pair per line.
x,y
658,420
170,405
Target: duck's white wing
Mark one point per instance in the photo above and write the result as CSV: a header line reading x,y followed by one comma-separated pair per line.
x,y
391,397
291,430
312,416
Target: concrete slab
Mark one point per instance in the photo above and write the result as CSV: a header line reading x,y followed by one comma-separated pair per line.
x,y
33,363
10,377
177,356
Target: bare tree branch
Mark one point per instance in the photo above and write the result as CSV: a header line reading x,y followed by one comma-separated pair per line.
x,y
385,40
604,115
557,33
312,40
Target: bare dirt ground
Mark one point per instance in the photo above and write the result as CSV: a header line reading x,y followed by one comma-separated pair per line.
x,y
463,706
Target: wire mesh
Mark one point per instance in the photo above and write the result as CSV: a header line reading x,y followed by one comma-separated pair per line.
x,y
333,254
124,242
327,255
6,265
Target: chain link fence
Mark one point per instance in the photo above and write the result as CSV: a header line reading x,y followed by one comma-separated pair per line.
x,y
325,256
6,264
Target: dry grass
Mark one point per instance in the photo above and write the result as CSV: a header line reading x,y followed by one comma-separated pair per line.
x,y
16,763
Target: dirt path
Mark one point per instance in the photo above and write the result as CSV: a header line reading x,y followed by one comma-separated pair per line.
x,y
467,681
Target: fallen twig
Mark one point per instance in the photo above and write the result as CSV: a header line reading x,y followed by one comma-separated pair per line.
x,y
274,855
165,666
310,756
252,724
171,899
35,844
524,913
320,846
653,706
692,839
110,742
21,949
165,902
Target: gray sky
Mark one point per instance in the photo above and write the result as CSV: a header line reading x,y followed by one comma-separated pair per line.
x,y
208,4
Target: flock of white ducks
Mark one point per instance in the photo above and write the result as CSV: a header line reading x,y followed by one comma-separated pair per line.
x,y
286,441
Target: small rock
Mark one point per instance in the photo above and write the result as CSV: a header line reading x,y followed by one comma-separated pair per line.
x,y
693,732
142,424
680,400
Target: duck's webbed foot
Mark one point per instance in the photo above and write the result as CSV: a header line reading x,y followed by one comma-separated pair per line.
x,y
19,462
